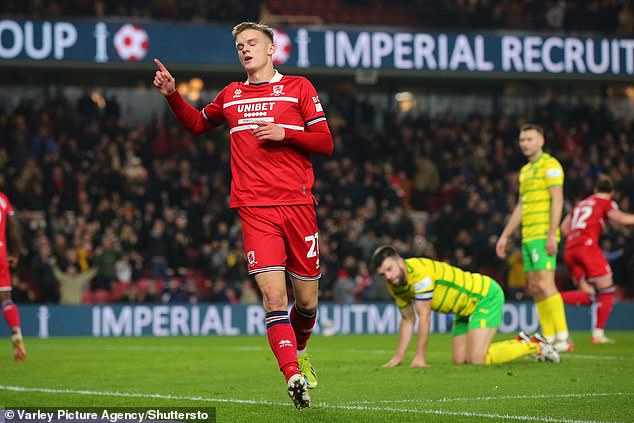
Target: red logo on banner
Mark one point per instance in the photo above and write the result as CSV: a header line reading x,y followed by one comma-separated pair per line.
x,y
131,42
283,47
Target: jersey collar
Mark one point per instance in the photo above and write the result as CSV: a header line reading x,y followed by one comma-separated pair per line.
x,y
277,77
541,156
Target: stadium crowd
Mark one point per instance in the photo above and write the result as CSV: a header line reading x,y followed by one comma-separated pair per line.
x,y
605,16
140,214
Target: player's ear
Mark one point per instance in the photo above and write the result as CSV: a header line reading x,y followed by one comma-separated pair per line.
x,y
271,50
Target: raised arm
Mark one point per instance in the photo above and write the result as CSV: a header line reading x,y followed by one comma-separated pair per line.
x,y
191,118
163,80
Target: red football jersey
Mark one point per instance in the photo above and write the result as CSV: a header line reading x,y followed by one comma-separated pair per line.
x,y
267,173
587,220
5,211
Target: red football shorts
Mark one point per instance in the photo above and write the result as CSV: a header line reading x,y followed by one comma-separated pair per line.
x,y
5,278
587,261
281,238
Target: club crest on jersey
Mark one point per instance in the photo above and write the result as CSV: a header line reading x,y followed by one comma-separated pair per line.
x,y
278,90
251,258
237,93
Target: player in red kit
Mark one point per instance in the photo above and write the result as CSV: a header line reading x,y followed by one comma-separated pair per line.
x,y
9,225
275,122
590,270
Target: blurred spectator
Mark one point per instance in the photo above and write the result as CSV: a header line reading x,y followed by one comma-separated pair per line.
x,y
158,246
72,284
42,273
105,262
103,200
20,291
345,288
248,293
516,277
175,292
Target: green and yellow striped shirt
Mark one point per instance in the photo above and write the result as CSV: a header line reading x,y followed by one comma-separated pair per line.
x,y
535,180
450,289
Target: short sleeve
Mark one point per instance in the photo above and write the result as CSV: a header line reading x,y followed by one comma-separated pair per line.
x,y
424,289
554,174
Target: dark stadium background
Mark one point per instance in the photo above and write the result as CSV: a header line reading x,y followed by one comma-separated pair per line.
x,y
103,176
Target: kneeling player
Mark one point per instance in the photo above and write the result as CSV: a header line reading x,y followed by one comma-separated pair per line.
x,y
420,285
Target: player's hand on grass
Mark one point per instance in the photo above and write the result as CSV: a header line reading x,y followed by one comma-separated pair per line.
x,y
551,245
395,361
419,362
500,247
269,131
163,80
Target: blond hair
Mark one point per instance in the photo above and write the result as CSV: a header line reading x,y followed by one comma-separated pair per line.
x,y
258,26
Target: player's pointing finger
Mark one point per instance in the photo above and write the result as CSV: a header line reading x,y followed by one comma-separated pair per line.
x,y
160,65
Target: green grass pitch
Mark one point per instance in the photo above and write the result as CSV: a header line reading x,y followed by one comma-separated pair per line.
x,y
239,376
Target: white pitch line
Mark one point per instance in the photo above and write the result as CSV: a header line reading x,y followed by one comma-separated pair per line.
x,y
463,414
495,398
599,357
138,395
286,404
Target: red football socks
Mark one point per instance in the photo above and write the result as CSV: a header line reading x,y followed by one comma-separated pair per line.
x,y
577,298
302,325
605,301
10,313
282,341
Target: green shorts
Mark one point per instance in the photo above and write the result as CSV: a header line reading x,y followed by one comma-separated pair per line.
x,y
535,257
488,313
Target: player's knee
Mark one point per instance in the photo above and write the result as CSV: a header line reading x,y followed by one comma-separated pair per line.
x,y
477,360
459,358
274,301
476,357
307,307
610,289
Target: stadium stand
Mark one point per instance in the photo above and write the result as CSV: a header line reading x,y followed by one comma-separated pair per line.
x,y
607,17
146,205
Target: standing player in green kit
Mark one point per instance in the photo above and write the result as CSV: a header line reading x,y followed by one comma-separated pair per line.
x,y
539,211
